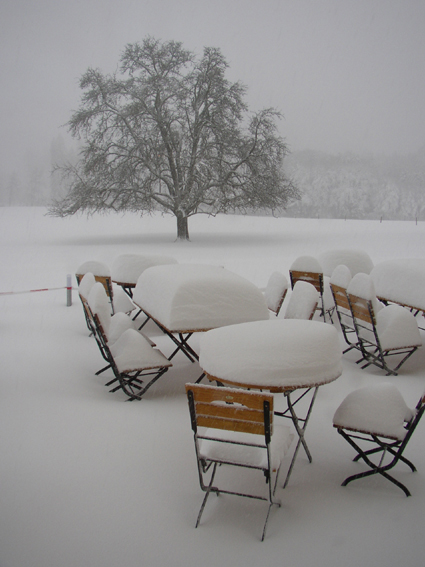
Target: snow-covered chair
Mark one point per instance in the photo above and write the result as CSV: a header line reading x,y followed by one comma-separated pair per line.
x,y
275,292
101,273
84,287
308,269
240,432
379,417
128,353
339,282
302,301
390,331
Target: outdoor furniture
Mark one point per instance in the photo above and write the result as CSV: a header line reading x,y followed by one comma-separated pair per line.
x,y
378,416
240,432
275,292
357,261
84,287
302,301
135,363
389,332
101,274
339,282
183,299
127,268
308,269
288,356
401,281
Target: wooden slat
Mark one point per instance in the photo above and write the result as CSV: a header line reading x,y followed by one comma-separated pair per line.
x,y
314,278
230,424
340,296
360,308
208,394
230,411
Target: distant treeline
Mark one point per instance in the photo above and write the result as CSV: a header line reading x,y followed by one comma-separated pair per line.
x,y
332,186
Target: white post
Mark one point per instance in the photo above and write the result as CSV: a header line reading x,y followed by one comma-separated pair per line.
x,y
68,290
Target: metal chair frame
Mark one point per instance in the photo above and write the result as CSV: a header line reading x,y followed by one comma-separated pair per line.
x,y
316,279
343,311
242,410
383,446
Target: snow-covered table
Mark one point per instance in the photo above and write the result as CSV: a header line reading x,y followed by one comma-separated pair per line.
x,y
401,281
186,298
127,268
282,355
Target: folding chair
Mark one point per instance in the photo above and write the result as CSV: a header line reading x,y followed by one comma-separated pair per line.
x,y
392,331
240,432
84,287
302,301
129,354
339,282
275,292
101,274
378,415
308,269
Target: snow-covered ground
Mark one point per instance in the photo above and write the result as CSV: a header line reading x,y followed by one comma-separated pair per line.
x,y
87,479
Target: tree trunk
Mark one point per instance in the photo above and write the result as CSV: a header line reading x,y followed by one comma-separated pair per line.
x,y
182,226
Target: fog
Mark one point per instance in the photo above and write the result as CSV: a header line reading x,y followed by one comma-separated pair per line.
x,y
348,75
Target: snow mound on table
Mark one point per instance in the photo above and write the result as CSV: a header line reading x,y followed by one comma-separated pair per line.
x,y
198,297
279,353
379,409
401,280
128,267
356,261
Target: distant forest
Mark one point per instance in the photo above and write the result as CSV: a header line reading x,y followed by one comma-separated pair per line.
x,y
332,186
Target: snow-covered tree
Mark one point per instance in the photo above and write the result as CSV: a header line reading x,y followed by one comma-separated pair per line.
x,y
169,132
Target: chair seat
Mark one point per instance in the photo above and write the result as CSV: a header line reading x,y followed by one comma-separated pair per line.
x,y
379,410
248,456
133,352
397,328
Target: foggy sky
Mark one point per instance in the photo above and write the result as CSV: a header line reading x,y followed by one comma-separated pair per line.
x,y
348,75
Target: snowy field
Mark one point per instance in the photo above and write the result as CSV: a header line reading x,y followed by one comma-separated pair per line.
x,y
87,479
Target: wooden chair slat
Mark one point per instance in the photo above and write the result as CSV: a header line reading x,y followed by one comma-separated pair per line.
x,y
230,411
230,424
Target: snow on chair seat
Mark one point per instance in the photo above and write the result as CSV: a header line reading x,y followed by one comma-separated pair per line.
x,y
239,432
308,269
389,332
378,417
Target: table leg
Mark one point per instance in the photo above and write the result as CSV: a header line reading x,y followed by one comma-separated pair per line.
x,y
300,429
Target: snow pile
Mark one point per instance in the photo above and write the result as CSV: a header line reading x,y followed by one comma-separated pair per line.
x,y
341,276
86,283
397,328
276,287
362,286
379,409
401,281
306,264
356,261
303,301
132,351
278,352
186,297
96,268
128,267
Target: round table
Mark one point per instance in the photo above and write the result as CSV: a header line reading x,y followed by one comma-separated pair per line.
x,y
282,355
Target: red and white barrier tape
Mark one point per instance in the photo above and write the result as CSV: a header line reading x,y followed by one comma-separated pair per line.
x,y
34,290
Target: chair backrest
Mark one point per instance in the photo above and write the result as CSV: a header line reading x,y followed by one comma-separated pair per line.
x,y
101,274
362,296
275,292
99,306
231,409
302,301
308,269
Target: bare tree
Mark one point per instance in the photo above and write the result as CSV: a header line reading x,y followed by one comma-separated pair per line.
x,y
169,132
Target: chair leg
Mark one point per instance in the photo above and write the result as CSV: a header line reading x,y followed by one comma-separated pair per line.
x,y
208,490
377,471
